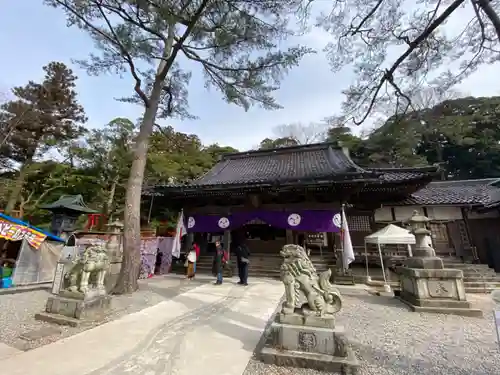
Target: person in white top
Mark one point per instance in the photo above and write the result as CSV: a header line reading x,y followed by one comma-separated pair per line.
x,y
191,261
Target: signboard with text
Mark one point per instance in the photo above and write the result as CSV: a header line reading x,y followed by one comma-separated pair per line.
x,y
16,232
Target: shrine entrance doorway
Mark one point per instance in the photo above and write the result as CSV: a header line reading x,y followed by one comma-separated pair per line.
x,y
260,237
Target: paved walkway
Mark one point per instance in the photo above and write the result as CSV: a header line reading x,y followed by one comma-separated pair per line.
x,y
207,330
7,351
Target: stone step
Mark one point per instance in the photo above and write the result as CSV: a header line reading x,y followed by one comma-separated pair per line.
x,y
466,266
469,287
479,290
479,284
263,275
343,279
253,265
479,273
479,281
254,270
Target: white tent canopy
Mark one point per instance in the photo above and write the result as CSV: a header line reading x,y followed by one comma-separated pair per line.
x,y
391,234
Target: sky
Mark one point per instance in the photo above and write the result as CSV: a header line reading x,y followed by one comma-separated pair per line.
x,y
32,35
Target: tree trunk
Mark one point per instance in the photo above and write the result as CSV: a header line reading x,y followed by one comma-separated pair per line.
x,y
111,197
131,263
108,204
23,204
18,186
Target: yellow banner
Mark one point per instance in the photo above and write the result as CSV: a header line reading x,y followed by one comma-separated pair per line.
x,y
15,232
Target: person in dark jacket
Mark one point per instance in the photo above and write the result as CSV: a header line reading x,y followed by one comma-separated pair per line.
x,y
218,263
243,259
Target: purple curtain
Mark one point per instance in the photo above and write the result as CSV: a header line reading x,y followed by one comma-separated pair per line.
x,y
301,220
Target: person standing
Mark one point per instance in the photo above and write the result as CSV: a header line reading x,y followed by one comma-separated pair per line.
x,y
190,261
158,262
196,248
243,260
218,263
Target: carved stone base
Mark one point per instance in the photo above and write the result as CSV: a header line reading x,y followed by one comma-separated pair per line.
x,y
76,306
327,321
323,349
433,263
343,279
435,291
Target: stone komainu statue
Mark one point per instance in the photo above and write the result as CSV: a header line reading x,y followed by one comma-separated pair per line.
x,y
94,260
306,291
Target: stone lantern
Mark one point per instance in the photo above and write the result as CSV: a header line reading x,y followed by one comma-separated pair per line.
x,y
65,212
424,255
426,286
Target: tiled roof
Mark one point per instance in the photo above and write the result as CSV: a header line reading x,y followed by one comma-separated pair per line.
x,y
323,164
403,174
297,163
318,163
69,202
481,192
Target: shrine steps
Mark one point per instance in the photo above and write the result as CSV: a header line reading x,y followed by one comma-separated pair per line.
x,y
478,278
262,264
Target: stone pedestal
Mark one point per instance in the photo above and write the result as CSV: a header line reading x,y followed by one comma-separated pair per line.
x,y
79,289
70,308
113,274
309,341
303,333
426,286
436,291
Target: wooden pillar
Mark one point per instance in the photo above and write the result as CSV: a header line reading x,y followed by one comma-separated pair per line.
x,y
189,241
289,236
330,242
227,246
227,240
203,243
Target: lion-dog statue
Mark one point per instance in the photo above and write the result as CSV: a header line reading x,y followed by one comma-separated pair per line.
x,y
305,291
94,260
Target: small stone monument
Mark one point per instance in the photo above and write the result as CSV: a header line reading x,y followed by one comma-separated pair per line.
x,y
114,248
113,245
426,286
78,288
304,333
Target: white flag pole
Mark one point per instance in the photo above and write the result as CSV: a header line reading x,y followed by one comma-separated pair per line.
x,y
348,249
342,236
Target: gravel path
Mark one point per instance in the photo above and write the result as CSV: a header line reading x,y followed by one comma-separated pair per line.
x,y
17,311
390,340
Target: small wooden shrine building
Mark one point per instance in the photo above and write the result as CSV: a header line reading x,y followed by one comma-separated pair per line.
x,y
272,197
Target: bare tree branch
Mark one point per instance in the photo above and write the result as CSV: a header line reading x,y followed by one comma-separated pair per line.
x,y
397,48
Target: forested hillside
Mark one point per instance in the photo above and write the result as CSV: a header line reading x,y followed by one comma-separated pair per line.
x,y
462,135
